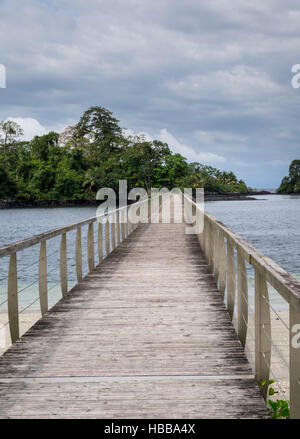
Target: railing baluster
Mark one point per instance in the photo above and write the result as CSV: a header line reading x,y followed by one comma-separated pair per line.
x,y
78,255
63,265
294,359
215,253
107,246
149,209
118,229
127,224
90,247
100,242
231,279
113,232
242,300
122,225
206,240
222,264
211,247
12,296
202,240
262,332
43,290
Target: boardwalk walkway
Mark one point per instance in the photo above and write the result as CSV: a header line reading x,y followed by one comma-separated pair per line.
x,y
145,335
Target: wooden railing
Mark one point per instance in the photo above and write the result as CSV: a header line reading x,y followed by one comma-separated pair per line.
x,y
116,227
227,254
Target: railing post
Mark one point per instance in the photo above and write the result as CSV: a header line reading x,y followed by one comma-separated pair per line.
x,y
242,300
211,247
231,279
43,290
262,332
222,264
206,239
63,265
118,228
149,209
113,232
294,359
202,234
127,224
78,254
90,247
123,225
12,298
107,246
100,242
215,253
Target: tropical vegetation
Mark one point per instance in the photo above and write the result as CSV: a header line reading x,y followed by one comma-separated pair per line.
x,y
96,153
291,183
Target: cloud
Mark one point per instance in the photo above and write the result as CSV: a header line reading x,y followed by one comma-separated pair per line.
x,y
176,146
31,127
215,74
187,151
241,83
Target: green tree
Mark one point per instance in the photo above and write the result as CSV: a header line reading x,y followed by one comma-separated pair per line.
x,y
141,158
291,183
10,132
98,125
94,154
172,172
7,185
41,145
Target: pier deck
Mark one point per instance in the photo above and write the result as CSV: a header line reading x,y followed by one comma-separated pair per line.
x,y
145,335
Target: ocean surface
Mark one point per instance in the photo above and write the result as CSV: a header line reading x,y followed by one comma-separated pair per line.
x,y
270,223
18,224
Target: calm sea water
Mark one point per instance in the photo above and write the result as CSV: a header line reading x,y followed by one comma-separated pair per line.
x,y
271,224
17,224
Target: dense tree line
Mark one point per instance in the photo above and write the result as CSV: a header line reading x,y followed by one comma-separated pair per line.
x,y
291,183
92,154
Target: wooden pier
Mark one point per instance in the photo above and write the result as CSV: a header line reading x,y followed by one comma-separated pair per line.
x,y
145,334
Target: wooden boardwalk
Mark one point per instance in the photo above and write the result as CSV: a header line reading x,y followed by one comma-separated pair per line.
x,y
145,335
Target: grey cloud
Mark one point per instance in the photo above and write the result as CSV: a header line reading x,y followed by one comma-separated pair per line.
x,y
174,68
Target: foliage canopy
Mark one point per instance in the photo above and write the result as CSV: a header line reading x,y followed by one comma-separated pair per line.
x,y
92,154
291,183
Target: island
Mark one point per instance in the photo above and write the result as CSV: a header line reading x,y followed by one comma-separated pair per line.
x,y
291,183
68,168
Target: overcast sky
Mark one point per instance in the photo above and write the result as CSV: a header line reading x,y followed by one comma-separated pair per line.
x,y
212,78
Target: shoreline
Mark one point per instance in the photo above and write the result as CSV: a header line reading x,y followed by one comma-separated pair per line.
x,y
25,204
224,197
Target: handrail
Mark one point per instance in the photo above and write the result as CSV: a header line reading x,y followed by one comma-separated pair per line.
x,y
29,242
286,285
114,234
231,275
33,240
